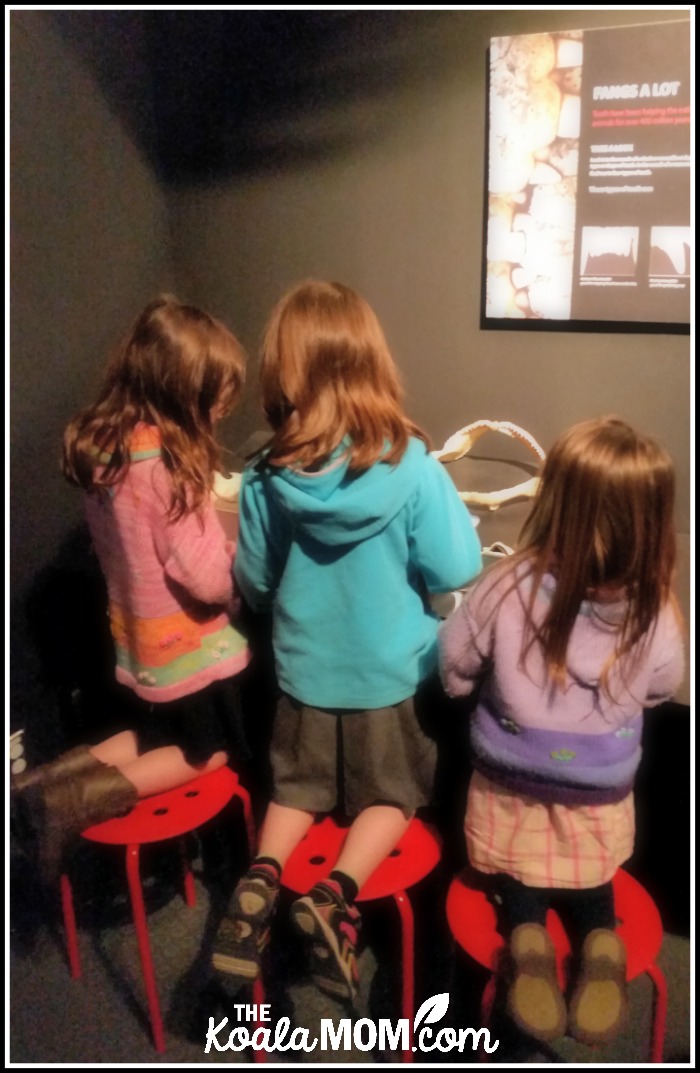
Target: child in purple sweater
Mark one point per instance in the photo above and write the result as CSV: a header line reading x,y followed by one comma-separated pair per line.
x,y
146,456
568,641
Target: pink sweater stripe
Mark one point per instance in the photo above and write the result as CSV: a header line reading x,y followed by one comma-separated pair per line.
x,y
170,585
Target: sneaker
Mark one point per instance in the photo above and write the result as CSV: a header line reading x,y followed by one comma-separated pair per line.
x,y
244,931
331,927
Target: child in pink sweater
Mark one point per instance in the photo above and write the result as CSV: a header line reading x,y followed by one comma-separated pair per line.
x,y
146,456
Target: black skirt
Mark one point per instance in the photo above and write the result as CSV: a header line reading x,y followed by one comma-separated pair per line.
x,y
201,724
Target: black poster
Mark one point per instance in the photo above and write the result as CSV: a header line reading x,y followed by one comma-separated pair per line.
x,y
589,176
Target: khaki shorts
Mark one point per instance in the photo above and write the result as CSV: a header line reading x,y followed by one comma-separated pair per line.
x,y
348,760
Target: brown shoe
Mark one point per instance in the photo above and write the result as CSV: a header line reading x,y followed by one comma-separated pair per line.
x,y
598,1007
74,762
58,811
534,1000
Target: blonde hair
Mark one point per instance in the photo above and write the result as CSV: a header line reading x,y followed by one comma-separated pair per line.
x,y
327,375
602,518
175,366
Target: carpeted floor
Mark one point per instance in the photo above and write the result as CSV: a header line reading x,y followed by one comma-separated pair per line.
x,y
102,1019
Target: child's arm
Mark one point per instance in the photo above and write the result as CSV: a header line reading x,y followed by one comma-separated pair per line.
x,y
194,550
465,645
263,544
200,558
444,544
669,659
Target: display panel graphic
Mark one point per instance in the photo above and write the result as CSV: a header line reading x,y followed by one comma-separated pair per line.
x,y
588,216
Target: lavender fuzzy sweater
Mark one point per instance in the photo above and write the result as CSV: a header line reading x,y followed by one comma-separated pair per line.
x,y
576,746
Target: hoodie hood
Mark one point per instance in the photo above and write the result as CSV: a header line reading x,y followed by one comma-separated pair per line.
x,y
336,507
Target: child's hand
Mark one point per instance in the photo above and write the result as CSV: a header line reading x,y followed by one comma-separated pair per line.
x,y
444,603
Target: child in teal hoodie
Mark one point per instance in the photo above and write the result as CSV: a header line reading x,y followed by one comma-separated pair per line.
x,y
347,525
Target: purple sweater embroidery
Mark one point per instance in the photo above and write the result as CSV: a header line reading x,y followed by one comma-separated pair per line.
x,y
576,746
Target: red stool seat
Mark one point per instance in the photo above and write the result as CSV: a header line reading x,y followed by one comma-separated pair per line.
x,y
472,921
170,814
415,856
153,819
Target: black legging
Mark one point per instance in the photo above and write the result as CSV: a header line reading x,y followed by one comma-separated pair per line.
x,y
581,910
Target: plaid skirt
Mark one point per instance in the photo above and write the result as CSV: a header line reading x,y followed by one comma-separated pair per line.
x,y
545,845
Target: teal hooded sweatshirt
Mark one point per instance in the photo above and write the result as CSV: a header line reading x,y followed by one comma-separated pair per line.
x,y
345,562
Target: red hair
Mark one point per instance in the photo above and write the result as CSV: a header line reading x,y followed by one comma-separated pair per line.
x,y
176,365
602,519
327,375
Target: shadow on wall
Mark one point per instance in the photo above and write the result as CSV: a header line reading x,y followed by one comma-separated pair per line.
x,y
663,848
211,94
65,612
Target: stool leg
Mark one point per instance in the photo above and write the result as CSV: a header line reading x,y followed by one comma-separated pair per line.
x,y
139,911
407,966
244,797
487,1000
259,1000
69,926
658,1029
188,878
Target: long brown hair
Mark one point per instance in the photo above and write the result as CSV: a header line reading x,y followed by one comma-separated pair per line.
x,y
175,367
327,375
602,519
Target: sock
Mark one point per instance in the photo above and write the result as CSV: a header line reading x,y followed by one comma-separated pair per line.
x,y
267,869
347,885
257,890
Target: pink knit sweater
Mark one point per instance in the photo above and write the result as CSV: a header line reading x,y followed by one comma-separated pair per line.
x,y
170,584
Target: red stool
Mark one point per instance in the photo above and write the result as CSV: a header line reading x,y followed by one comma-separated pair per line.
x,y
414,858
472,921
168,815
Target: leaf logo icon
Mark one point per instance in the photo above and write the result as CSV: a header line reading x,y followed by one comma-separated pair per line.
x,y
433,1009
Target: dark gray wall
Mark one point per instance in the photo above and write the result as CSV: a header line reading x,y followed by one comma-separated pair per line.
x,y
382,189
395,210
397,213
89,246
